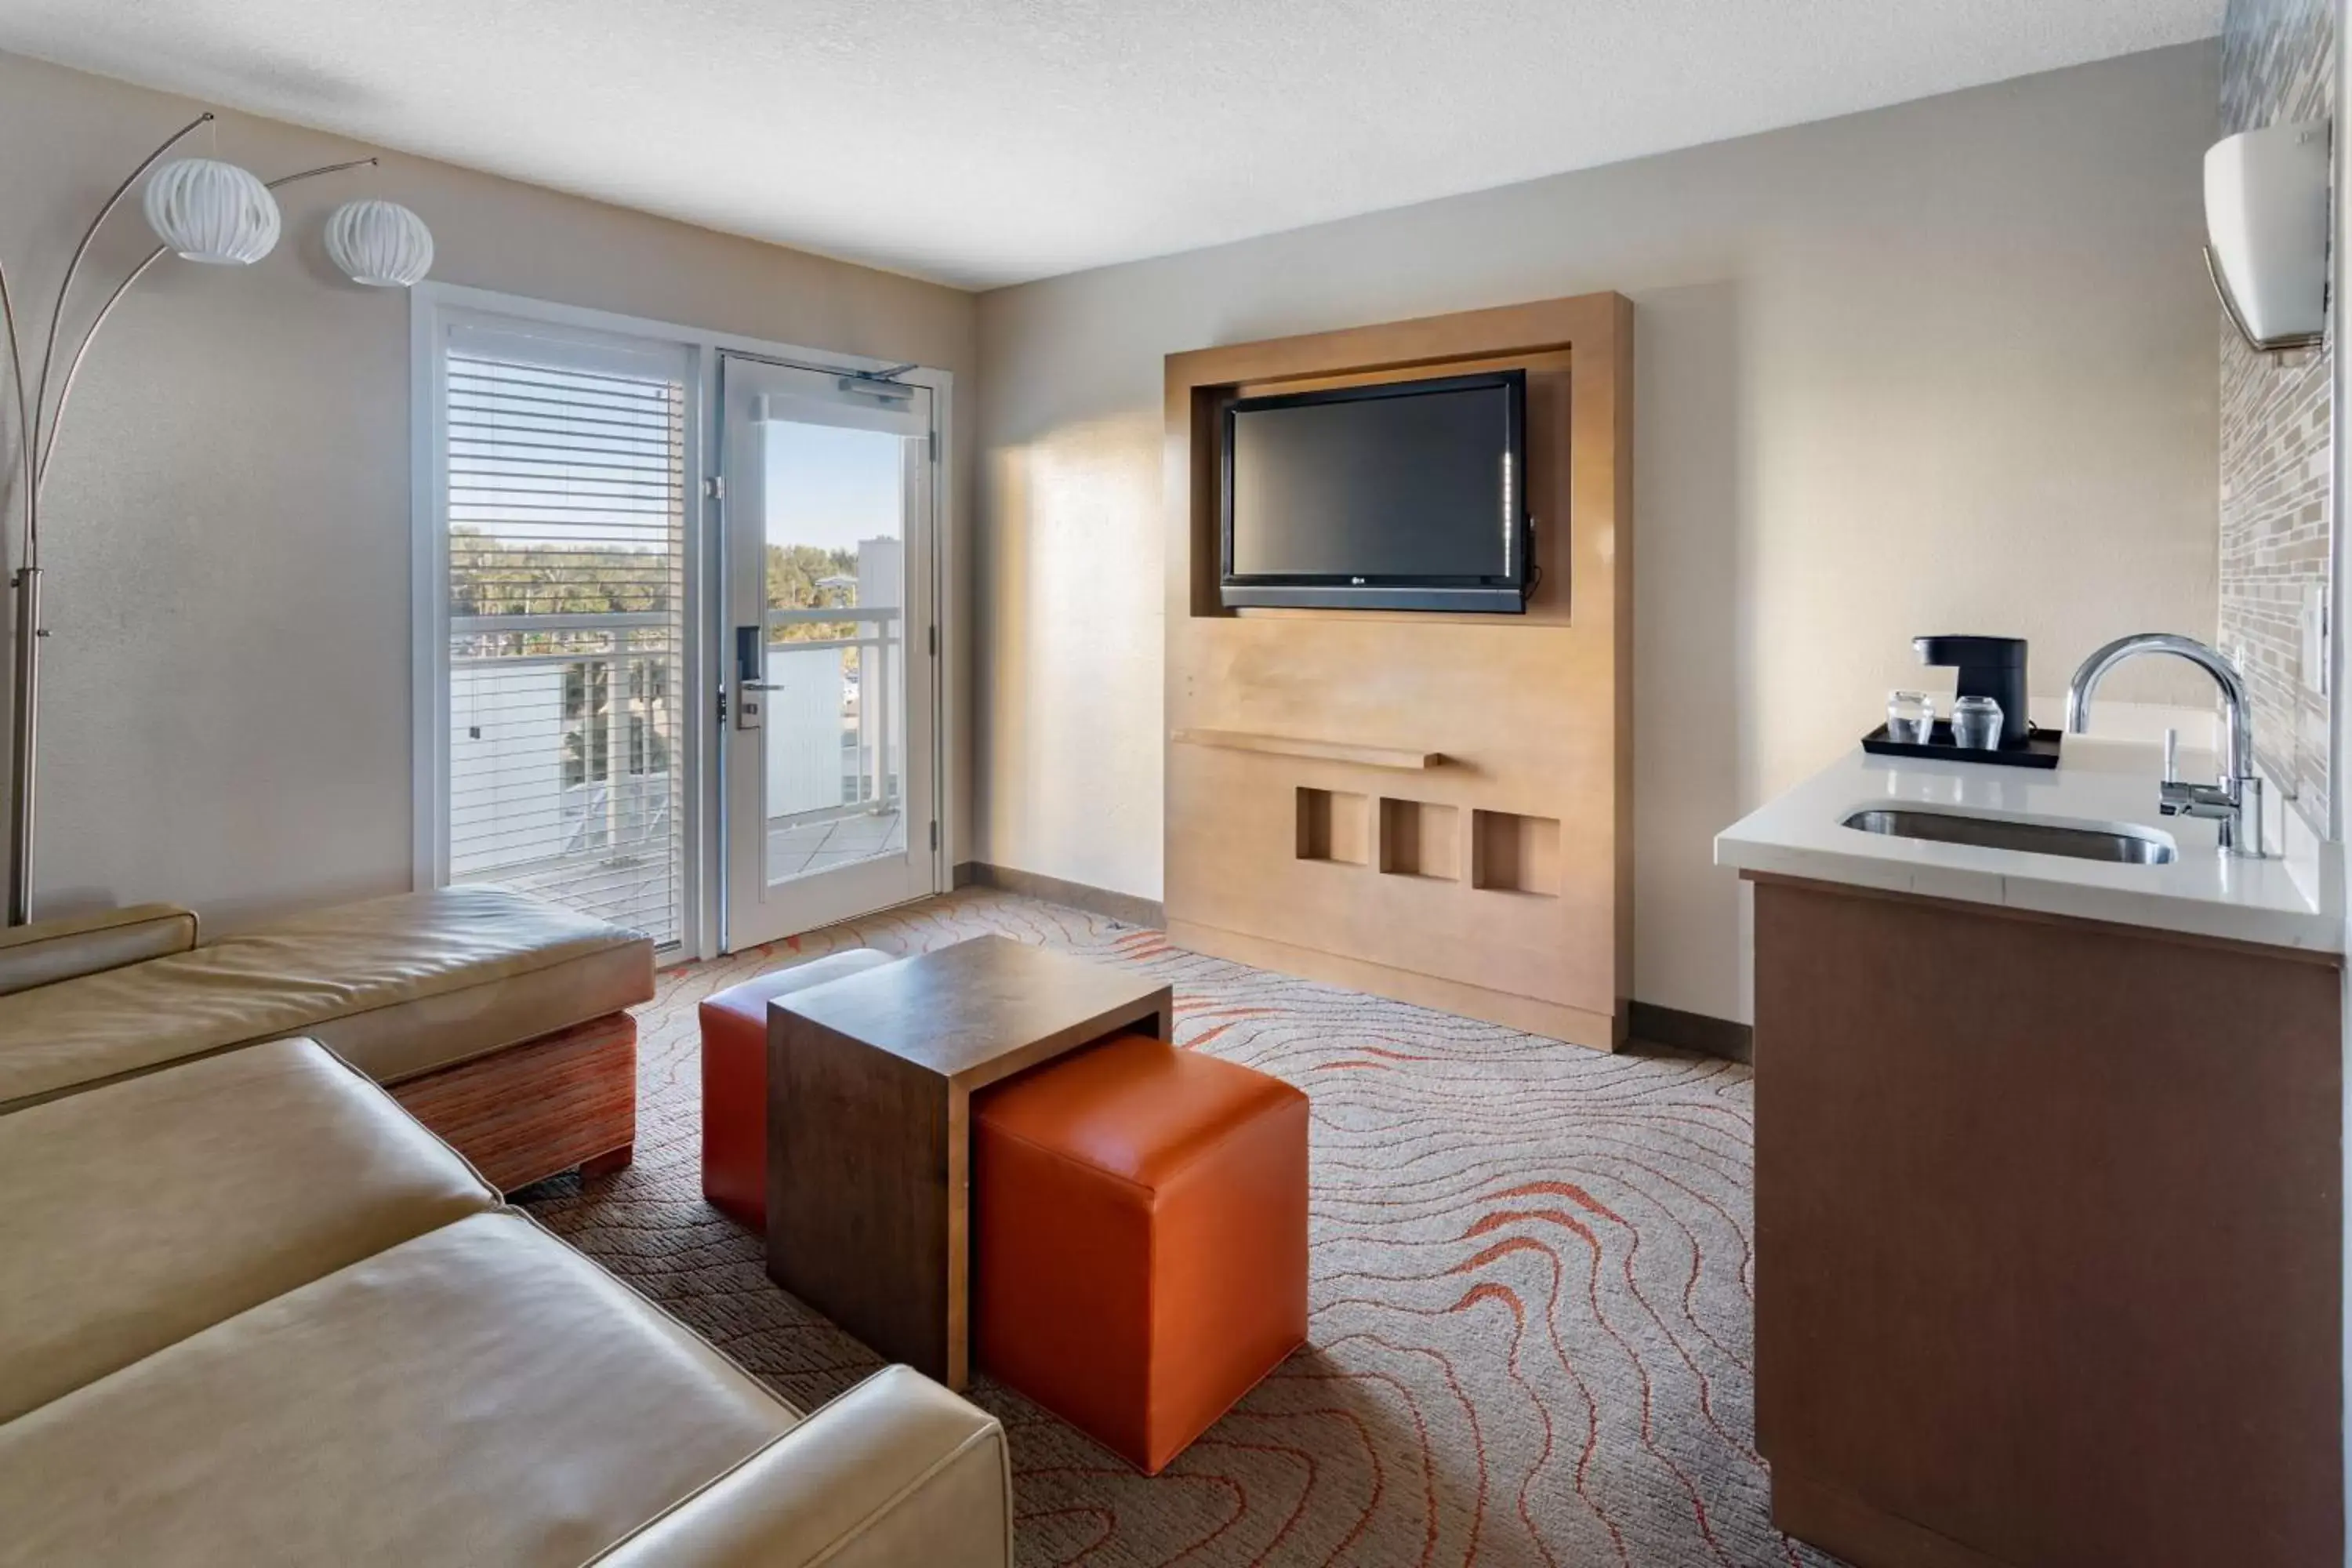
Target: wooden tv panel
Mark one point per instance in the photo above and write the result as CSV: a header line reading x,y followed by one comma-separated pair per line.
x,y
1433,808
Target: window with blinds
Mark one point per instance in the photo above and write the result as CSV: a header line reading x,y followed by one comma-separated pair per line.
x,y
565,469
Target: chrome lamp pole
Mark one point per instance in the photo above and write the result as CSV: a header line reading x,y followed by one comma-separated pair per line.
x,y
213,212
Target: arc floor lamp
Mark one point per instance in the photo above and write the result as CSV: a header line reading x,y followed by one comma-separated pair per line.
x,y
202,210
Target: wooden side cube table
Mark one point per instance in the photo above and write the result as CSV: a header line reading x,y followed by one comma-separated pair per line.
x,y
869,1096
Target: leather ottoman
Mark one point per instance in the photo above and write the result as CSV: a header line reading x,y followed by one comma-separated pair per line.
x,y
1140,1238
735,1081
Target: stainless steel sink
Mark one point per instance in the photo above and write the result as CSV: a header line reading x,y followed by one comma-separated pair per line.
x,y
2129,846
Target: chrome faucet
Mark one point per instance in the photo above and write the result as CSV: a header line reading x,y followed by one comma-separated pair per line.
x,y
2235,799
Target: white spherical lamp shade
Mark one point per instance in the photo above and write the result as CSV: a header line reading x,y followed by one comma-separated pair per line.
x,y
209,211
381,244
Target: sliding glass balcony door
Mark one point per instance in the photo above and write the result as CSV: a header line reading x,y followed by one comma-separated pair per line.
x,y
831,768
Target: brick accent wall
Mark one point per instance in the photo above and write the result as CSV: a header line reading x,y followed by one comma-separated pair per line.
x,y
2277,425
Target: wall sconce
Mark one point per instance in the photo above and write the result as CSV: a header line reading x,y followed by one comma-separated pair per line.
x,y
2266,219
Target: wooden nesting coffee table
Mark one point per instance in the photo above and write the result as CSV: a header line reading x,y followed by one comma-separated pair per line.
x,y
870,1080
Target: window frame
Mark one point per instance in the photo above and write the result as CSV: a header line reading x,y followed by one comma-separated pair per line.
x,y
434,307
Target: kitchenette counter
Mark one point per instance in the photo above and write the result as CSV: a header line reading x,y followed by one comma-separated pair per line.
x,y
2098,784
2000,1095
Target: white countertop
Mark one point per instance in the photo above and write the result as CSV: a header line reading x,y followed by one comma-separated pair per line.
x,y
2097,783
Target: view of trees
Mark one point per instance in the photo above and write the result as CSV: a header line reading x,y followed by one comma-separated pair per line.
x,y
493,576
794,572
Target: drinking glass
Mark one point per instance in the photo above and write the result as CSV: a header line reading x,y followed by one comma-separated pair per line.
x,y
1910,718
1976,724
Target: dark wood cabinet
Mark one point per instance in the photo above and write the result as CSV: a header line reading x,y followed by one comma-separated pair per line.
x,y
2049,1237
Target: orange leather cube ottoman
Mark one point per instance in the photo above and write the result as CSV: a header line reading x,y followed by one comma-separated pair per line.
x,y
1138,1238
735,1081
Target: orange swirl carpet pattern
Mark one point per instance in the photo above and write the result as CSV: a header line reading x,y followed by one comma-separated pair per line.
x,y
1532,1298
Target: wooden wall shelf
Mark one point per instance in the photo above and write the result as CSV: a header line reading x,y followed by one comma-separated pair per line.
x,y
1320,750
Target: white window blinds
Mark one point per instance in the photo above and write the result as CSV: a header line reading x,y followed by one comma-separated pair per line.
x,y
565,474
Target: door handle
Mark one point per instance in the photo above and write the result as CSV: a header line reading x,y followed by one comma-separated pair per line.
x,y
747,704
747,671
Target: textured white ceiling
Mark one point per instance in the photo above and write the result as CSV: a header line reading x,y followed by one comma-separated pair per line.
x,y
987,142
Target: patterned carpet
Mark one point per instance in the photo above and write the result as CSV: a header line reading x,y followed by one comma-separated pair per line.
x,y
1532,1298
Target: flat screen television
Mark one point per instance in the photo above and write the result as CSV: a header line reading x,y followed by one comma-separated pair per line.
x,y
1407,495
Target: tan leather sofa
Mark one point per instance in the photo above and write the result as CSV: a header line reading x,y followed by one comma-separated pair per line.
x,y
252,1313
397,986
499,1018
49,951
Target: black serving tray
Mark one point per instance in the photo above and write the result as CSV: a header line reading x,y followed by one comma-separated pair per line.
x,y
2039,750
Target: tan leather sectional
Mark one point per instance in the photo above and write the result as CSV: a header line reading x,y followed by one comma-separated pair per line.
x,y
398,986
253,1313
499,1020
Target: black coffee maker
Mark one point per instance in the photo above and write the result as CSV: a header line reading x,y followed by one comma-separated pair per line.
x,y
1988,666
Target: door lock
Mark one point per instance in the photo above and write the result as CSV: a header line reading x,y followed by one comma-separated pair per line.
x,y
748,672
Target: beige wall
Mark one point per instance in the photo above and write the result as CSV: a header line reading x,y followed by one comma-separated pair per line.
x,y
227,716
1946,366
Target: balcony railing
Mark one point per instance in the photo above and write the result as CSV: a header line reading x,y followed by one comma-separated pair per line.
x,y
566,732
834,734
562,775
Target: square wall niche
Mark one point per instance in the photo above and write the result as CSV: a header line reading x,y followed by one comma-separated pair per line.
x,y
1334,825
1418,839
1515,854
